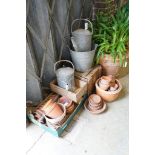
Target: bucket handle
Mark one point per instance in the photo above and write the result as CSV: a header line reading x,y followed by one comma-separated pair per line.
x,y
73,22
63,61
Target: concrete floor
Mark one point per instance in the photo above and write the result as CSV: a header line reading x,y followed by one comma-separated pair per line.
x,y
104,134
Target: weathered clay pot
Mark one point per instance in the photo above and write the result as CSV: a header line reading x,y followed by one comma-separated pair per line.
x,y
107,81
67,103
52,121
95,99
95,111
94,102
114,88
111,68
53,111
104,84
108,96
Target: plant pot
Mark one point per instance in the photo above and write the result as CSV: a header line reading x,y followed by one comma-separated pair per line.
x,y
104,84
111,68
66,101
54,111
104,107
52,121
108,96
95,102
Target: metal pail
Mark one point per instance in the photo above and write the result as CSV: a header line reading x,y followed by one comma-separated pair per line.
x,y
83,61
82,37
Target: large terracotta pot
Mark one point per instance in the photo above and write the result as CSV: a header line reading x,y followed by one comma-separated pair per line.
x,y
111,68
52,109
108,96
58,120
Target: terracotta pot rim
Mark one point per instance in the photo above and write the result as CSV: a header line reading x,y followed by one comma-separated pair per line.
x,y
109,92
108,56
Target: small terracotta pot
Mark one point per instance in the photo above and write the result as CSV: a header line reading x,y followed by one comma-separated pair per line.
x,y
114,88
94,98
104,84
52,121
108,96
54,111
65,100
67,103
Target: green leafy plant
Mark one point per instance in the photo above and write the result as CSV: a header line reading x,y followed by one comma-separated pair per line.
x,y
112,34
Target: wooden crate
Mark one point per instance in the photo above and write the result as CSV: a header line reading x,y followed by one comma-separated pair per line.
x,y
57,132
90,77
80,90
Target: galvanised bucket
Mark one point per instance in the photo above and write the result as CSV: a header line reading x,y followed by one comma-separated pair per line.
x,y
64,70
83,61
82,37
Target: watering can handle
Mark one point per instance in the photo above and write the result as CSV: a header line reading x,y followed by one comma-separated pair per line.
x,y
73,22
63,61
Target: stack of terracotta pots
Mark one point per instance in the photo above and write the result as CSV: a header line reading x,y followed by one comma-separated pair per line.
x,y
54,113
108,88
70,106
95,104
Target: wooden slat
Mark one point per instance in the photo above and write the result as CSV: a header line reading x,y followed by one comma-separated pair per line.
x,y
80,90
90,77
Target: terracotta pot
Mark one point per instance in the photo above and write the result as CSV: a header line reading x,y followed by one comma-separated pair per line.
x,y
104,107
54,111
94,99
47,106
52,121
114,88
104,84
110,79
108,96
94,102
66,101
111,68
